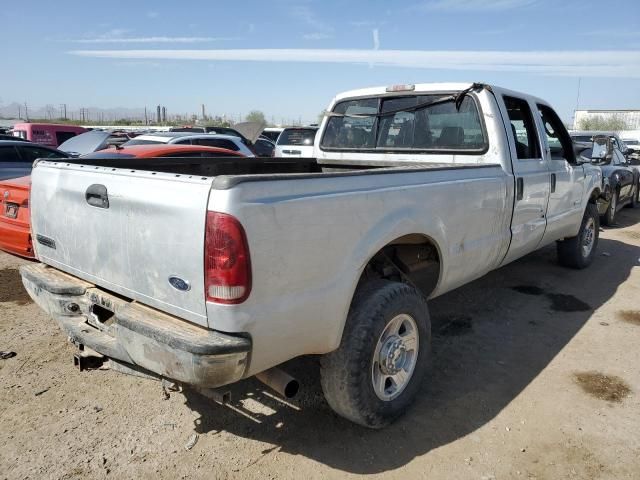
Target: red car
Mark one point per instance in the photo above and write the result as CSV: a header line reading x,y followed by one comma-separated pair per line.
x,y
15,229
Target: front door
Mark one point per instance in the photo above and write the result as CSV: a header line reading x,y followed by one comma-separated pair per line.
x,y
531,176
566,178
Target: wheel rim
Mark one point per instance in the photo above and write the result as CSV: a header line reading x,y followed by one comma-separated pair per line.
x,y
588,238
395,357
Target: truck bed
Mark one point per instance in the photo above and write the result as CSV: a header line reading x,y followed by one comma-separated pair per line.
x,y
231,171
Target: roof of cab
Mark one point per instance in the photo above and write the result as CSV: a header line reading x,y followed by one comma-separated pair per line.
x,y
419,88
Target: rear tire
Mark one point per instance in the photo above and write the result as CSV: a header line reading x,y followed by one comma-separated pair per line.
x,y
610,215
578,252
376,373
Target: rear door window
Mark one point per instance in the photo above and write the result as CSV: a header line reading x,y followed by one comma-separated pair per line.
x,y
9,154
30,154
522,128
418,122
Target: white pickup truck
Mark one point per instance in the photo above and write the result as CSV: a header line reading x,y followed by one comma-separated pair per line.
x,y
207,271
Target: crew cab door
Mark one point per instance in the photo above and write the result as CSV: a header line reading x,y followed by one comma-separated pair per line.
x,y
531,176
566,177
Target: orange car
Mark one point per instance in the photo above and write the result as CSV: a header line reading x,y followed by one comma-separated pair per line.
x,y
15,228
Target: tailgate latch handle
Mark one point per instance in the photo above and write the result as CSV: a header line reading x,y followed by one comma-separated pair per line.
x,y
96,196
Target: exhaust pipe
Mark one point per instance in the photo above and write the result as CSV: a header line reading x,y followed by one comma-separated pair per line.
x,y
280,381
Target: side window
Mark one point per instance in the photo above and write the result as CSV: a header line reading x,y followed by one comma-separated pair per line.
x,y
558,138
9,154
182,142
30,154
522,128
218,142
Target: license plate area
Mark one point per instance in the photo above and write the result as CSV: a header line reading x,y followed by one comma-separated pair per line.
x,y
11,210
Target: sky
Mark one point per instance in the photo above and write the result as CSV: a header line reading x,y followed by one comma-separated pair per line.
x,y
288,58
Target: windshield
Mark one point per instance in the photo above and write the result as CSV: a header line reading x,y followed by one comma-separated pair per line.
x,y
85,142
297,136
405,123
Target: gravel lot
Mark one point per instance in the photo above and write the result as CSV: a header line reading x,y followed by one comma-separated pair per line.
x,y
535,375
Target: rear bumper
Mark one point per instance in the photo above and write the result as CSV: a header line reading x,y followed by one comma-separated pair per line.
x,y
16,239
135,334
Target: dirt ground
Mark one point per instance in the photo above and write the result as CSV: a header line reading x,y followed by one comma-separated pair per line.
x,y
535,375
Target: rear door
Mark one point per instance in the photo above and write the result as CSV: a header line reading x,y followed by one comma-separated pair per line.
x,y
126,231
531,177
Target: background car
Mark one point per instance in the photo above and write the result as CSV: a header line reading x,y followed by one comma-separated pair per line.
x,y
214,130
229,142
16,157
49,134
623,179
15,229
272,133
296,142
264,147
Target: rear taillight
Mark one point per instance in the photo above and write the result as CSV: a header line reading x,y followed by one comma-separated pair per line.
x,y
227,264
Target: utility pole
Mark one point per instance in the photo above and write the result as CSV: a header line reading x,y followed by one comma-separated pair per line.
x,y
146,120
63,111
26,112
19,112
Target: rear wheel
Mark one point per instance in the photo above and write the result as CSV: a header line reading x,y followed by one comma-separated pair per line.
x,y
578,252
610,215
376,373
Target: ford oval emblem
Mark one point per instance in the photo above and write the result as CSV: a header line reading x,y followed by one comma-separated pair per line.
x,y
179,284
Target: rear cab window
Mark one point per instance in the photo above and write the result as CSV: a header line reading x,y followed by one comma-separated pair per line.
x,y
297,136
405,123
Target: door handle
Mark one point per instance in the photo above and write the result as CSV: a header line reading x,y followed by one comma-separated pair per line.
x,y
519,188
553,182
97,196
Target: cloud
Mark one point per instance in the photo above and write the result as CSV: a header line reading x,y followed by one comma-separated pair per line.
x,y
376,39
472,5
614,32
583,63
316,36
366,23
151,39
307,16
153,14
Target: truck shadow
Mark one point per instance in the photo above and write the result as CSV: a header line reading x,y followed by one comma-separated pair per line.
x,y
491,339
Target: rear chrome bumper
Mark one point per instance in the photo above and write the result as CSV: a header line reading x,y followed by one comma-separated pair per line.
x,y
129,332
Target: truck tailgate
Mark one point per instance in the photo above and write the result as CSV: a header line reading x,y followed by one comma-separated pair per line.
x,y
137,233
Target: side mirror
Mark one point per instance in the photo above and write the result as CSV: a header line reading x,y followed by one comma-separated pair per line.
x,y
602,148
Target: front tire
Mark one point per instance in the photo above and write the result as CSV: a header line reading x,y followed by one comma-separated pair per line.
x,y
376,373
610,215
634,196
578,252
